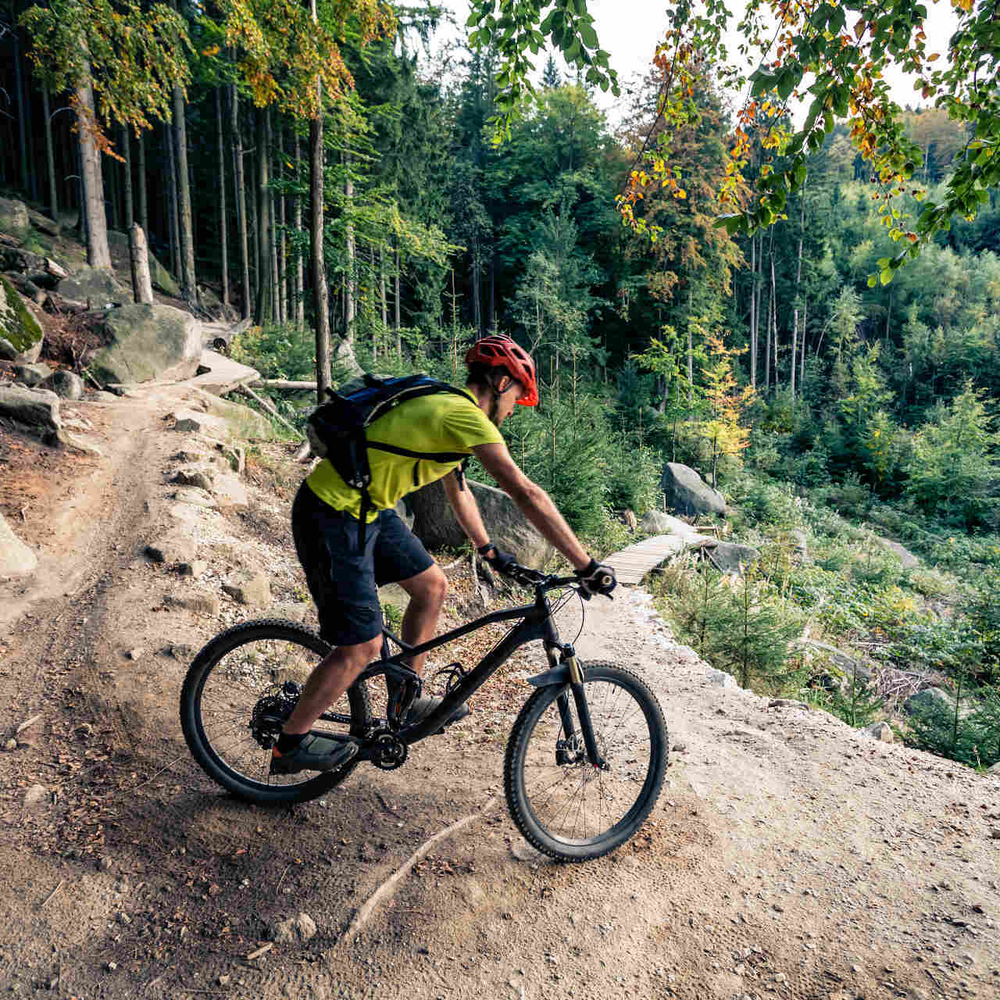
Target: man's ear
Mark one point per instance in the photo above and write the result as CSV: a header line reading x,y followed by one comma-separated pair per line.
x,y
502,384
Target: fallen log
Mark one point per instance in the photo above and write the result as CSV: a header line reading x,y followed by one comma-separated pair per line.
x,y
281,383
269,407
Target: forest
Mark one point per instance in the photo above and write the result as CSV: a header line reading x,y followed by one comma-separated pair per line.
x,y
318,172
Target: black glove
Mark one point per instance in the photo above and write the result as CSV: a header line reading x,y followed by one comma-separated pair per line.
x,y
596,579
500,561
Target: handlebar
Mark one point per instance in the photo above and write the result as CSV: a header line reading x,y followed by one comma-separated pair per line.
x,y
544,581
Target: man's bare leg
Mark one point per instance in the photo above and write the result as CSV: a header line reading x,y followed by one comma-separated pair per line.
x,y
330,678
427,592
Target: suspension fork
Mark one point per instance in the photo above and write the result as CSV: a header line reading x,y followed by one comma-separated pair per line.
x,y
570,661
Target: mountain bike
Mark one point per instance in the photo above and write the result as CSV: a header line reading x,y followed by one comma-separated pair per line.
x,y
585,759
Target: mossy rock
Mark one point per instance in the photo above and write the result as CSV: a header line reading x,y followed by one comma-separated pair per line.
x,y
148,342
98,286
14,220
20,333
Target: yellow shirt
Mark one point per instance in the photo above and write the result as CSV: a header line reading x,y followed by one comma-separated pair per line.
x,y
438,422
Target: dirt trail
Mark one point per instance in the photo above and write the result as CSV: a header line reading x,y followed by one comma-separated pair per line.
x,y
788,857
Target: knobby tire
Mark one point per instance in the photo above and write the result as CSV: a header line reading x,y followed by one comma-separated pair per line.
x,y
574,812
243,664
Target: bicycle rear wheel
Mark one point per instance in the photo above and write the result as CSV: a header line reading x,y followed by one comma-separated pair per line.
x,y
239,690
562,804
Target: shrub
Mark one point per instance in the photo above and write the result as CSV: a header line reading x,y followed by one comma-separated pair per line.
x,y
761,502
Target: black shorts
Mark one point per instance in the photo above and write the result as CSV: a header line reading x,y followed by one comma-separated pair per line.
x,y
343,579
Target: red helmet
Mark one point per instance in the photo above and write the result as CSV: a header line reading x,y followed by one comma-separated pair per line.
x,y
495,350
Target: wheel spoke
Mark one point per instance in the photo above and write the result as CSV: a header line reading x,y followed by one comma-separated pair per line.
x,y
579,810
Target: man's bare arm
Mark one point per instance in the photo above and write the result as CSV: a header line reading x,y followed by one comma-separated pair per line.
x,y
531,500
463,503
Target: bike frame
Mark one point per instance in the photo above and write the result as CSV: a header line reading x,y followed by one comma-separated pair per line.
x,y
534,621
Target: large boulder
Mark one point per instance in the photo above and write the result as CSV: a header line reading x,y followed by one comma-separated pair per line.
x,y
148,342
161,278
16,559
37,410
843,668
14,220
687,493
435,525
929,700
95,285
728,557
20,332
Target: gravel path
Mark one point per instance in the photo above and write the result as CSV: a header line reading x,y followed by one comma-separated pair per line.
x,y
788,856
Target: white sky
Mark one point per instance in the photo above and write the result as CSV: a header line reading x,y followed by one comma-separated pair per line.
x,y
630,29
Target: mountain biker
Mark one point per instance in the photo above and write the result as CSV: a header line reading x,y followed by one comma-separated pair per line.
x,y
344,576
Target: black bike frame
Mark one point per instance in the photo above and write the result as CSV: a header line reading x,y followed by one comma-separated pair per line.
x,y
535,623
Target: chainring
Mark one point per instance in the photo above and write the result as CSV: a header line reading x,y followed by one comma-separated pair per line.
x,y
390,751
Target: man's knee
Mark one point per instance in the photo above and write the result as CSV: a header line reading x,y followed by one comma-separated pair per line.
x,y
361,654
429,588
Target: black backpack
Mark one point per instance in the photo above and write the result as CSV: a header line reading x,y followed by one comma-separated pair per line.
x,y
337,430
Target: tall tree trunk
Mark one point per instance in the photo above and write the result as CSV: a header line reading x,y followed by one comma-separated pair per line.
x,y
126,141
143,200
300,318
22,112
350,286
798,283
264,309
283,297
111,185
223,220
241,202
98,252
253,227
774,320
396,315
317,261
477,307
492,320
383,302
272,218
50,159
189,284
173,225
690,352
802,366
753,312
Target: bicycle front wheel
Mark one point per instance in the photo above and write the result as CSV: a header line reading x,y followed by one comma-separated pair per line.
x,y
239,690
563,805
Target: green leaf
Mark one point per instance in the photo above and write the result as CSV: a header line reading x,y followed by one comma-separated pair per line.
x,y
786,84
588,35
885,276
872,281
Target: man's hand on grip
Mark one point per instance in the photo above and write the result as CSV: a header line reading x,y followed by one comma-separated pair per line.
x,y
499,560
596,578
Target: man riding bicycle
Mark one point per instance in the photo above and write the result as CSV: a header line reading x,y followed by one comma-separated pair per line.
x,y
345,564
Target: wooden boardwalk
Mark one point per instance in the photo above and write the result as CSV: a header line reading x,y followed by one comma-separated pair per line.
x,y
633,563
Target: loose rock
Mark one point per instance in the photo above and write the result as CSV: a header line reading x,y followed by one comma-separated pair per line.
x,y
879,731
37,798
295,930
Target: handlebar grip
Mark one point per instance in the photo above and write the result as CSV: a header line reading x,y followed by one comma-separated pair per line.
x,y
605,580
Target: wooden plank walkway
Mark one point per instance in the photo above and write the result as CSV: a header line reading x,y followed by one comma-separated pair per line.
x,y
633,563
223,374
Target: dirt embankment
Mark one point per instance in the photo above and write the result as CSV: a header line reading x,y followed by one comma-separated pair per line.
x,y
789,856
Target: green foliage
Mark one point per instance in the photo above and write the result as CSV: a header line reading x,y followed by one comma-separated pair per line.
x,y
954,463
280,352
760,502
856,703
741,626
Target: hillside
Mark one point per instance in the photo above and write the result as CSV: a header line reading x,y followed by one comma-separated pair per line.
x,y
789,855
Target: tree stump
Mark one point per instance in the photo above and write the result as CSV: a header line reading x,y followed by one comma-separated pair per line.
x,y
142,285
